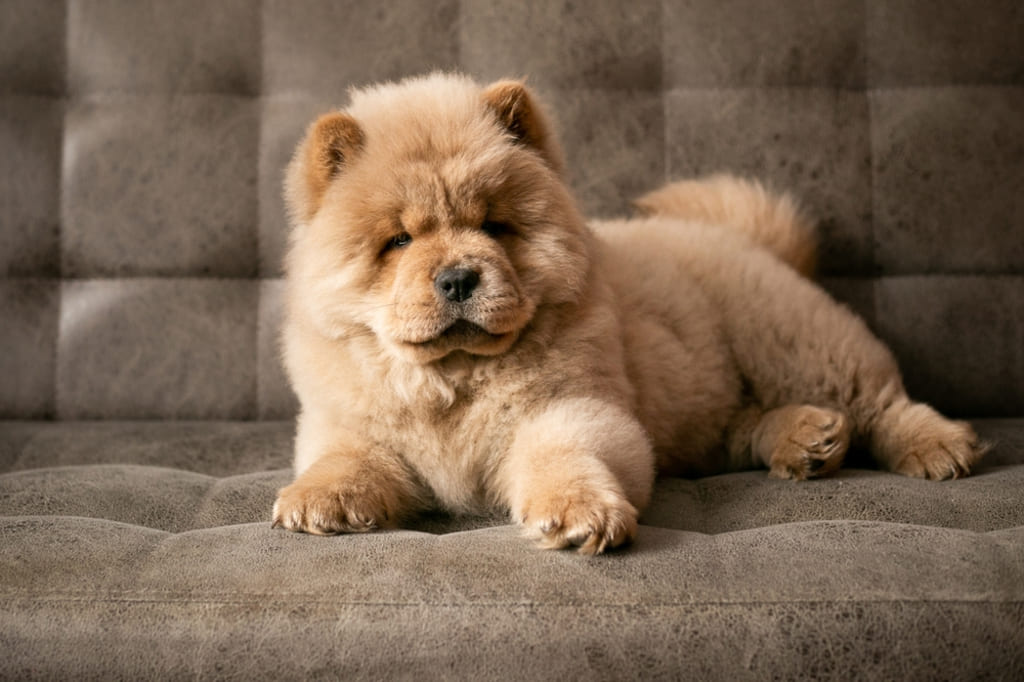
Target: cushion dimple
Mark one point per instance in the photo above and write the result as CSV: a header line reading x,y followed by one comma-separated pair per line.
x,y
165,499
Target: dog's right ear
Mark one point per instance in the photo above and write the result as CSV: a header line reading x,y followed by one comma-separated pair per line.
x,y
331,142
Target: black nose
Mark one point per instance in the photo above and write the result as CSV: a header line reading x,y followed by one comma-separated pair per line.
x,y
456,284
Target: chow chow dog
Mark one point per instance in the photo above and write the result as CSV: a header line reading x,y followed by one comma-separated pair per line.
x,y
460,338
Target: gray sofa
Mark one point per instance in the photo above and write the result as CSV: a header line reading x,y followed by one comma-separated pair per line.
x,y
147,422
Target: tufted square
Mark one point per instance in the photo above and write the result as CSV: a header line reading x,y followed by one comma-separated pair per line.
x,y
960,340
947,178
32,39
276,398
922,42
613,157
325,47
28,339
164,46
159,186
564,44
812,142
157,349
30,160
711,43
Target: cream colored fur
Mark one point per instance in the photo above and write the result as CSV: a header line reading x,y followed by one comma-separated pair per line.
x,y
584,358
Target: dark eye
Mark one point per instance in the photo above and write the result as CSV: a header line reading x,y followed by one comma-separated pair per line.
x,y
496,229
397,242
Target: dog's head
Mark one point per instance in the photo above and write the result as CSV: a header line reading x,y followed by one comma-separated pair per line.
x,y
432,214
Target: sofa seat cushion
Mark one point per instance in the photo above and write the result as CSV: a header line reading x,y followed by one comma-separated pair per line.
x,y
145,549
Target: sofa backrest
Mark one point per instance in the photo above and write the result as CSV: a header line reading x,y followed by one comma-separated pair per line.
x,y
142,144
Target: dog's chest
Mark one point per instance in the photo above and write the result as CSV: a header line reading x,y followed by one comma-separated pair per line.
x,y
455,451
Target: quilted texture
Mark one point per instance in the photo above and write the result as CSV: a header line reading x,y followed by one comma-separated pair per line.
x,y
147,418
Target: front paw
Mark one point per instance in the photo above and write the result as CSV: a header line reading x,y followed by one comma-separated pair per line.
x,y
591,519
328,509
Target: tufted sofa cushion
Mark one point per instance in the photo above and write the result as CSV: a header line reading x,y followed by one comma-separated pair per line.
x,y
142,549
145,419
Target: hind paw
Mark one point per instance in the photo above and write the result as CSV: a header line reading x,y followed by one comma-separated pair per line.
x,y
803,441
914,440
942,449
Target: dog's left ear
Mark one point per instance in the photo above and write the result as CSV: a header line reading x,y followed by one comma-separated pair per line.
x,y
518,111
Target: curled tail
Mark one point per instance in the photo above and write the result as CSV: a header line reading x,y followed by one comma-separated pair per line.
x,y
772,221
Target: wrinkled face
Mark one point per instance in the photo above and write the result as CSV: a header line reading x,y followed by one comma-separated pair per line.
x,y
448,257
438,254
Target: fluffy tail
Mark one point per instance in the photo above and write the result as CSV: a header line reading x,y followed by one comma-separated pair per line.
x,y
773,221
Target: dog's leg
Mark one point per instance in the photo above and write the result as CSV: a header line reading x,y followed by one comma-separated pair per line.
x,y
808,349
351,487
346,492
913,439
577,475
794,345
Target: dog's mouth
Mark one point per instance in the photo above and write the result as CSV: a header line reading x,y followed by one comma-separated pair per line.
x,y
484,326
463,333
465,336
